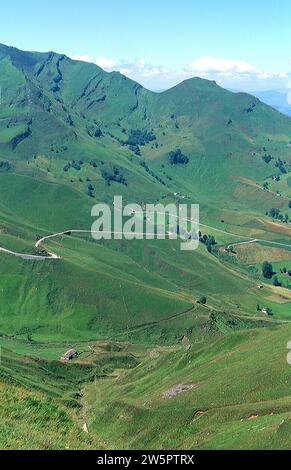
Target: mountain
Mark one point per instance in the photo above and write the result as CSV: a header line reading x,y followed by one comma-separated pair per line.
x,y
67,110
72,135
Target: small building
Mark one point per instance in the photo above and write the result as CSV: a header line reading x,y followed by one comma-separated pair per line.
x,y
71,354
260,286
186,342
265,311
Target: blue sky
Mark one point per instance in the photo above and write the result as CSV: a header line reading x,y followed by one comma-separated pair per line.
x,y
242,44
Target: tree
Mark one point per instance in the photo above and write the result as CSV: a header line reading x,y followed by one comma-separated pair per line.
x,y
209,247
211,240
29,337
289,204
267,270
202,300
269,311
98,132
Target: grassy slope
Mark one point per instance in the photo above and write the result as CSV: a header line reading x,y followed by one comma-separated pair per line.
x,y
241,397
41,423
43,395
136,291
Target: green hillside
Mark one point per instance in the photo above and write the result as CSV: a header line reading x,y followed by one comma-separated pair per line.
x,y
239,397
72,135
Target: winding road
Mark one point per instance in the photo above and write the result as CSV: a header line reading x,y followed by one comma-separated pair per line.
x,y
53,256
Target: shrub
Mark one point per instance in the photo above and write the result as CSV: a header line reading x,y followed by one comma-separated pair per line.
x,y
4,166
276,282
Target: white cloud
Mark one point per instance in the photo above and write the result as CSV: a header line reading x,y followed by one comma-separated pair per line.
x,y
138,70
103,62
236,73
83,58
209,64
227,72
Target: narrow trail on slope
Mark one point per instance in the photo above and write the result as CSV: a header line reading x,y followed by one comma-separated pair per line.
x,y
30,257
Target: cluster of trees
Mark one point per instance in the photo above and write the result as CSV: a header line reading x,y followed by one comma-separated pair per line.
x,y
138,137
281,165
73,164
58,148
94,163
250,108
90,190
275,214
207,240
267,309
67,167
114,175
95,132
20,137
156,145
135,149
276,177
267,158
70,121
285,271
77,165
268,273
177,157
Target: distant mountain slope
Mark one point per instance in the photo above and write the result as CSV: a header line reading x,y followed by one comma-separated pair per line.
x,y
275,98
66,110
